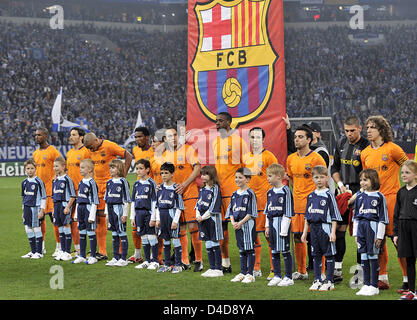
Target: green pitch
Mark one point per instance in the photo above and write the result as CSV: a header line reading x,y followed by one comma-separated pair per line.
x,y
26,279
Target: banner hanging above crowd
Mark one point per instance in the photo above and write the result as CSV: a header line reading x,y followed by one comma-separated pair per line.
x,y
236,65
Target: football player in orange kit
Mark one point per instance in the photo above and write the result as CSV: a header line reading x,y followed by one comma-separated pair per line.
x,y
142,150
187,169
74,157
386,157
44,158
228,150
103,151
257,161
299,166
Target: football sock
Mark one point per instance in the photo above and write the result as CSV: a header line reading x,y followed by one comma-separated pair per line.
x,y
287,264
411,273
62,238
323,265
308,252
101,234
276,262
330,268
258,250
160,248
243,261
167,253
211,258
93,243
224,244
383,260
125,246
68,239
374,266
197,244
146,248
177,252
75,234
57,235
317,263
43,228
251,261
31,238
83,243
153,242
116,245
217,256
184,245
300,256
32,243
137,240
366,270
39,240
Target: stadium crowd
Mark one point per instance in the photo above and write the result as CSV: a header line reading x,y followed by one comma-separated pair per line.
x,y
325,74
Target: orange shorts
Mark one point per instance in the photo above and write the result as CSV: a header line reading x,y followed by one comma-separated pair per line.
x,y
260,221
188,215
297,223
391,199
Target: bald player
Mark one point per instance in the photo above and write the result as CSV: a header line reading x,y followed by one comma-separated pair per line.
x,y
257,161
386,157
44,158
77,153
103,151
187,169
299,166
228,150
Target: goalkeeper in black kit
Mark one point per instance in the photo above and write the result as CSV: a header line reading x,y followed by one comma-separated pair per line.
x,y
345,173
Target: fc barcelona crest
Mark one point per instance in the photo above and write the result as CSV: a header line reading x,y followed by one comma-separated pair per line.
x,y
234,60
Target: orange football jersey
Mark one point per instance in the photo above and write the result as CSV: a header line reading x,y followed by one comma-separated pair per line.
x,y
386,160
156,163
184,159
44,159
148,154
107,151
258,183
228,156
299,169
74,157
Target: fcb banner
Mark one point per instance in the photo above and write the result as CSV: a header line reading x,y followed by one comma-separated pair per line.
x,y
236,65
